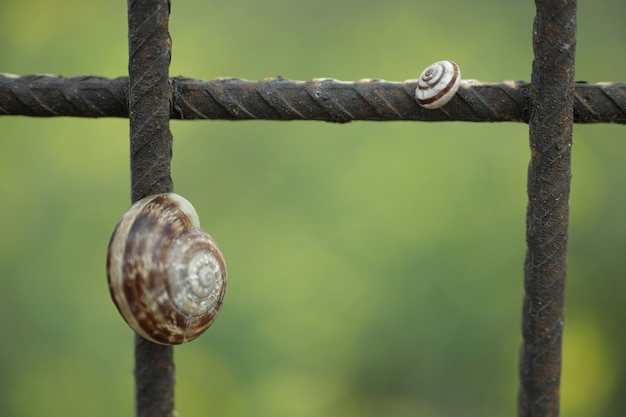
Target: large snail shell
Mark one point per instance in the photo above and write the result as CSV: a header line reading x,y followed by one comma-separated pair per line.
x,y
167,276
437,84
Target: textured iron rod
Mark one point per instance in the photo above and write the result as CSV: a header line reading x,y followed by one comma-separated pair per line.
x,y
549,174
281,99
149,50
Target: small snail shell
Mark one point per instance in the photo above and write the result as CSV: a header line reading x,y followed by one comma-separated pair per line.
x,y
437,84
166,276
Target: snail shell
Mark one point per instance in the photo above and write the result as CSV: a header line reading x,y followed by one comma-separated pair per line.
x,y
167,277
437,84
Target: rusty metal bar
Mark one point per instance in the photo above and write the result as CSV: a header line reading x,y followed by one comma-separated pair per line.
x,y
282,99
149,97
549,174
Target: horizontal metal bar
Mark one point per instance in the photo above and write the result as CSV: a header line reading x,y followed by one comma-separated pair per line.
x,y
281,99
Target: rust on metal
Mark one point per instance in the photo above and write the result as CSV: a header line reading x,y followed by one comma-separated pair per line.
x,y
149,97
281,99
549,174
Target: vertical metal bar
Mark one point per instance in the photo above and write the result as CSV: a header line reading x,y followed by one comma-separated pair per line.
x,y
549,174
150,95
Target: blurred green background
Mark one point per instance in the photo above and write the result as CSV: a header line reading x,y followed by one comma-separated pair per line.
x,y
375,268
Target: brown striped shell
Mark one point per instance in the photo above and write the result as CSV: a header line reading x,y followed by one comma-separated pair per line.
x,y
437,84
167,277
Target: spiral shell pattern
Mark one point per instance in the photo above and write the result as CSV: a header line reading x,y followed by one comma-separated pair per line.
x,y
167,277
437,84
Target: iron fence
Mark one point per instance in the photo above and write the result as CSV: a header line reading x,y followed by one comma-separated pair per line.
x,y
550,104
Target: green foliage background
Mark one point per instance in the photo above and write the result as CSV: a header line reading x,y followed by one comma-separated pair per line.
x,y
375,268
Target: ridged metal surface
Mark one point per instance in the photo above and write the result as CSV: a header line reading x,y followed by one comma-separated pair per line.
x,y
281,99
549,175
149,94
